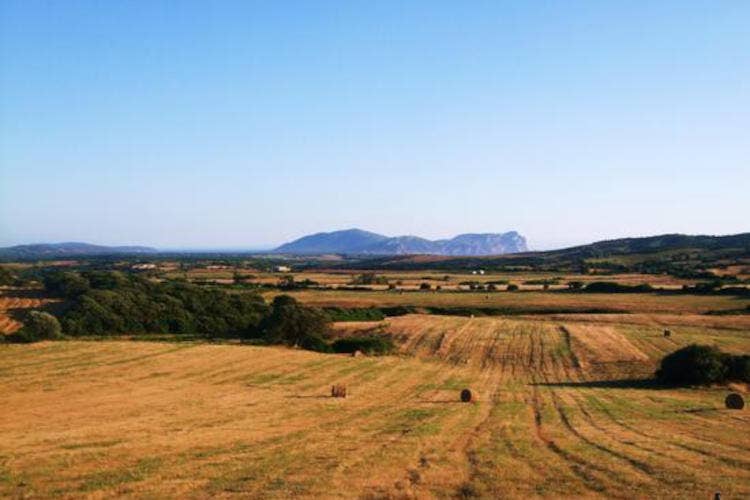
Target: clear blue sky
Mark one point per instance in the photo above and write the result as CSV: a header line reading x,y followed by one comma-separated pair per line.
x,y
241,124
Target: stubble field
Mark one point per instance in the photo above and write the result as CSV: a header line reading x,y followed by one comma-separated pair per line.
x,y
560,412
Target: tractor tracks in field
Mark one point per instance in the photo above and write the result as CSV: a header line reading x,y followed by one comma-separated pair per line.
x,y
541,368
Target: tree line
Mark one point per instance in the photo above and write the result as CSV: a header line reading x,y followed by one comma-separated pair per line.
x,y
105,303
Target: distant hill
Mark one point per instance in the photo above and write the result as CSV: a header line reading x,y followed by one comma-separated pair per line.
x,y
357,241
669,253
72,249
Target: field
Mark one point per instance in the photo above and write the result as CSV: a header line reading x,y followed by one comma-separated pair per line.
x,y
527,301
10,305
561,411
410,280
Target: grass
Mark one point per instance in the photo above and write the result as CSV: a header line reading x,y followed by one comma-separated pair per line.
x,y
560,411
521,302
258,421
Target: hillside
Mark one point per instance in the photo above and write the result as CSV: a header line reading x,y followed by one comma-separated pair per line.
x,y
71,249
357,241
649,254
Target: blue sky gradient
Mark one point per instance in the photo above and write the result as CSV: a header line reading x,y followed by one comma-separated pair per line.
x,y
246,124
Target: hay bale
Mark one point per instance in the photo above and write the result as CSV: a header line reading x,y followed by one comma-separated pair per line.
x,y
734,401
467,396
338,391
357,353
667,333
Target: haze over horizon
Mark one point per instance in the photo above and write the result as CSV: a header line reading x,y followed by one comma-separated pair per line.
x,y
247,125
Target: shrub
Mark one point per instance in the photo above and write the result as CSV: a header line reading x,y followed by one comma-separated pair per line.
x,y
293,324
40,326
694,365
6,277
425,286
118,304
66,284
512,287
575,285
739,368
612,287
354,314
370,345
314,343
368,279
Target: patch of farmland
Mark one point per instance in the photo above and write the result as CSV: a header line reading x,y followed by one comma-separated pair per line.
x,y
10,306
140,419
521,302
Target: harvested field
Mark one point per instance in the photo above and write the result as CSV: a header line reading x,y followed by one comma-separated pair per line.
x,y
527,301
10,306
167,420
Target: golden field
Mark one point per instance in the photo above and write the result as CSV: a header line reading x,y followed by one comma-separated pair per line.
x,y
521,301
560,413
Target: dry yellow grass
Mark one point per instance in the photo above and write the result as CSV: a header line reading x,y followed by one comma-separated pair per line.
x,y
172,420
412,279
624,302
10,305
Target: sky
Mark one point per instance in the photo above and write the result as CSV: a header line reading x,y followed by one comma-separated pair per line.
x,y
247,124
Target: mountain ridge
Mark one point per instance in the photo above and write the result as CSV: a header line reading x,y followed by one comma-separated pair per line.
x,y
358,241
71,248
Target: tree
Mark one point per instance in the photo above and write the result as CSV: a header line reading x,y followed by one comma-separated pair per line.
x,y
6,278
739,368
66,284
40,326
237,277
694,365
293,324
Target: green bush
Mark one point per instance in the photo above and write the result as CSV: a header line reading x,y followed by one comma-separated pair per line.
x,y
703,365
314,343
372,344
293,324
39,326
612,287
354,314
512,287
739,368
369,279
66,284
125,304
6,277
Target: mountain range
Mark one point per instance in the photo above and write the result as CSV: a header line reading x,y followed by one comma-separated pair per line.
x,y
70,249
357,241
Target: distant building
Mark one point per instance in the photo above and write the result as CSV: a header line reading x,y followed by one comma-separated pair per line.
x,y
143,267
282,269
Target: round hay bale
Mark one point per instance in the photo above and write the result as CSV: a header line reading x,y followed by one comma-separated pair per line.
x,y
466,396
734,401
357,353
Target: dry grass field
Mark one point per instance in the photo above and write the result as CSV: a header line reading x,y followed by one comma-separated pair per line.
x,y
624,302
10,305
560,413
410,280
